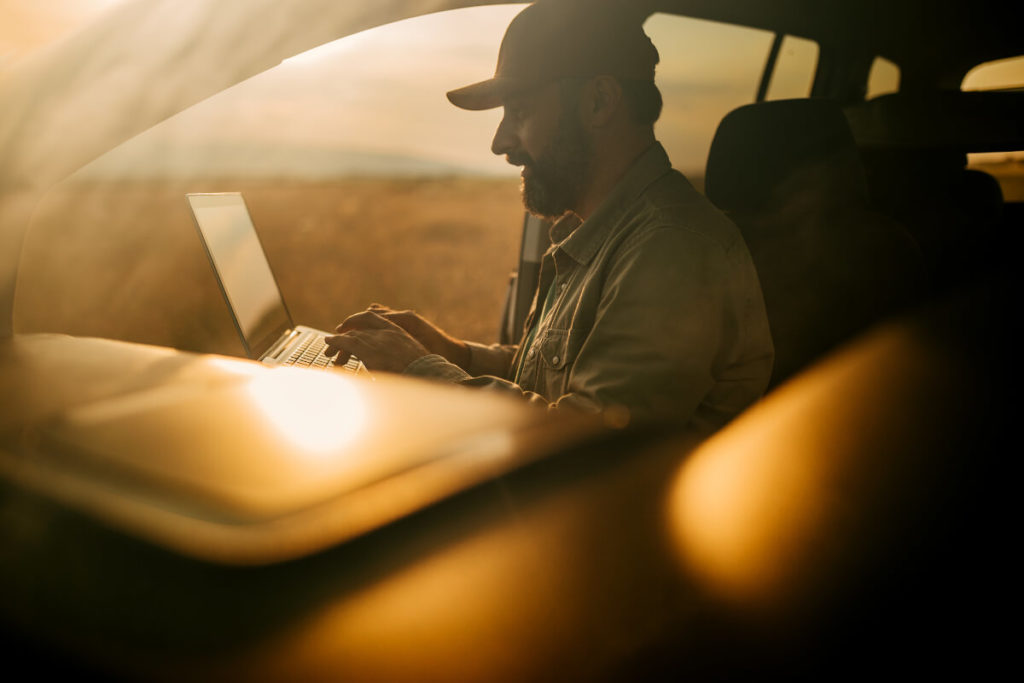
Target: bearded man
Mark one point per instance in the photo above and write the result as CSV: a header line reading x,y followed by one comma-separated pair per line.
x,y
647,301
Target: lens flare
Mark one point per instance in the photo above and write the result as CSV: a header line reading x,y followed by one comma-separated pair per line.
x,y
318,412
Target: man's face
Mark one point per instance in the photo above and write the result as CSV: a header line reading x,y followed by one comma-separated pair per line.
x,y
542,133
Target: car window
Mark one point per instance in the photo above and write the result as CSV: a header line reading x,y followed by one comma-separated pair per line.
x,y
30,25
795,65
1003,74
707,69
883,78
364,184
1006,167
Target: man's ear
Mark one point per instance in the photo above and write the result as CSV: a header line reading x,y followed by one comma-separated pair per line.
x,y
602,98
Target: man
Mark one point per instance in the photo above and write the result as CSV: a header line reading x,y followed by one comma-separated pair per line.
x,y
648,300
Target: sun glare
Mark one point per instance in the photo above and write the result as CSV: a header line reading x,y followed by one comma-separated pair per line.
x,y
30,24
319,412
1002,74
234,367
355,43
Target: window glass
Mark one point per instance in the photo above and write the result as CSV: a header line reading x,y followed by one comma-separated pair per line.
x,y
884,78
1006,167
29,25
1003,74
707,69
794,69
364,183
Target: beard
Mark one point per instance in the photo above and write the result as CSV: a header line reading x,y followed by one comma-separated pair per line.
x,y
553,183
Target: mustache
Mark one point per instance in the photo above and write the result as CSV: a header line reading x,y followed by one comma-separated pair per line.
x,y
519,159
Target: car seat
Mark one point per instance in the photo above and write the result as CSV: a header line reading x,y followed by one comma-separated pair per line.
x,y
789,174
954,213
914,145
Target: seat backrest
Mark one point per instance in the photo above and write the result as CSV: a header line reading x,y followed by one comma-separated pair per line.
x,y
789,174
915,146
954,213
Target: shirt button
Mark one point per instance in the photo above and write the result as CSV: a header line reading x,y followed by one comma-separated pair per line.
x,y
562,286
555,360
529,354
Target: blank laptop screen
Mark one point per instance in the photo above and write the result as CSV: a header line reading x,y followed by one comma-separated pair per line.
x,y
242,269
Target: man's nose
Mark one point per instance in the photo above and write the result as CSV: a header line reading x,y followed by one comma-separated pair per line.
x,y
504,141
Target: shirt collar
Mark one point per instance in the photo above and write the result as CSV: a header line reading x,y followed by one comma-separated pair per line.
x,y
581,240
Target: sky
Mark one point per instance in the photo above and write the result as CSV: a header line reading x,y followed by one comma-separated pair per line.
x,y
26,25
374,102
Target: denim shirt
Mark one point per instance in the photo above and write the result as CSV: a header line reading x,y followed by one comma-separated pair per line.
x,y
655,309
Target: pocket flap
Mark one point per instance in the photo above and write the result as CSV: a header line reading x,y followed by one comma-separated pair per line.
x,y
553,349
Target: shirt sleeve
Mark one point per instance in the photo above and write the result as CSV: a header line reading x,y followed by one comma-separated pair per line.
x,y
665,307
667,312
435,367
494,360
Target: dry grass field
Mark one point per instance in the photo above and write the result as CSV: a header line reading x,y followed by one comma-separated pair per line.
x,y
1010,174
123,260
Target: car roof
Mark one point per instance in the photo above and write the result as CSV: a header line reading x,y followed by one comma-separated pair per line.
x,y
935,42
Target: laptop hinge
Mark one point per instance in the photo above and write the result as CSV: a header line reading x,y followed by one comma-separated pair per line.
x,y
281,346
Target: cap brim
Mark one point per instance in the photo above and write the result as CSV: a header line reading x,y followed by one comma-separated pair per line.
x,y
483,95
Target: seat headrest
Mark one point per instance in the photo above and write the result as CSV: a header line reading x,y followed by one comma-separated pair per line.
x,y
946,120
759,147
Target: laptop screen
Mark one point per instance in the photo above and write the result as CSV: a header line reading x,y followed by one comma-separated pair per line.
x,y
242,269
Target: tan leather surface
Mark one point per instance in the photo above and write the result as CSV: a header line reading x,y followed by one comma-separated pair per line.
x,y
235,461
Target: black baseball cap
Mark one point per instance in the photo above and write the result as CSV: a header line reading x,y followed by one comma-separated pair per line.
x,y
554,39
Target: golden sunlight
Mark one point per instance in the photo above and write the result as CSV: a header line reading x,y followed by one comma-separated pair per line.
x,y
781,508
319,412
744,505
31,24
1001,74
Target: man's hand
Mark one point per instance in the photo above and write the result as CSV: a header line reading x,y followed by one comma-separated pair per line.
x,y
377,342
433,338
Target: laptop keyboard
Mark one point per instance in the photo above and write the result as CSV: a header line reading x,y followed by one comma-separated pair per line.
x,y
310,354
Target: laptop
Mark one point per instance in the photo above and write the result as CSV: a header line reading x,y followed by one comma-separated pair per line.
x,y
260,315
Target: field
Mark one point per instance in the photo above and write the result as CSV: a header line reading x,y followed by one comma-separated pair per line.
x,y
1010,173
123,260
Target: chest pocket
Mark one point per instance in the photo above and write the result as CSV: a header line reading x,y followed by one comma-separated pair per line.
x,y
554,349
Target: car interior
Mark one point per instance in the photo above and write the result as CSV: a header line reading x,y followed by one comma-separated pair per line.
x,y
168,514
